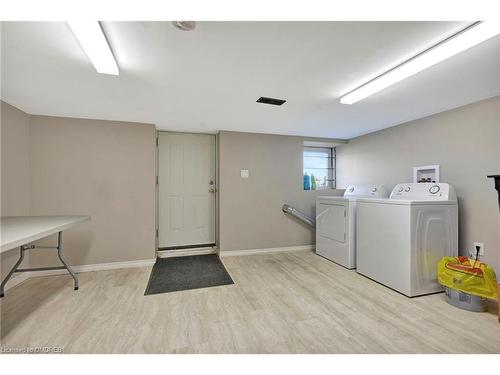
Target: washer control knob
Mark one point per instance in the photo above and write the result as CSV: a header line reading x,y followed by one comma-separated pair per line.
x,y
374,190
407,189
434,189
400,189
351,189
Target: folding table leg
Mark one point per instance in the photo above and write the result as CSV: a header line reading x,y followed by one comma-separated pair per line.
x,y
11,272
59,248
59,254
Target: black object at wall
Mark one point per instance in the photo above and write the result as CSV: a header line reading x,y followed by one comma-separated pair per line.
x,y
496,177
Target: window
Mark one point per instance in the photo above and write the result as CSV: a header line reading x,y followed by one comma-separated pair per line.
x,y
319,168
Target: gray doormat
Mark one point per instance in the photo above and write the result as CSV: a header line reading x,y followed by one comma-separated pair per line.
x,y
188,272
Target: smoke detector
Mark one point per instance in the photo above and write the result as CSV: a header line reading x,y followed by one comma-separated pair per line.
x,y
184,25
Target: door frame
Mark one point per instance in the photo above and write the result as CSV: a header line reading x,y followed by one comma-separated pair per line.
x,y
157,190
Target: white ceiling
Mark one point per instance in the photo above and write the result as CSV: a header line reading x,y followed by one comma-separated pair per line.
x,y
209,79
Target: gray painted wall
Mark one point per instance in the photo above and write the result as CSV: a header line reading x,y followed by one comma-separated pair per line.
x,y
465,142
56,166
15,175
101,168
106,169
250,215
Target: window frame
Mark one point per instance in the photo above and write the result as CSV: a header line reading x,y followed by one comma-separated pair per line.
x,y
332,166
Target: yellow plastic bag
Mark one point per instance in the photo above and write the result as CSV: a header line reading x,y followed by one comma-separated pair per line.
x,y
462,274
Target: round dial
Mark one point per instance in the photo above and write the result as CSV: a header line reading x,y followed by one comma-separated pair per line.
x,y
400,189
374,190
434,189
351,189
407,189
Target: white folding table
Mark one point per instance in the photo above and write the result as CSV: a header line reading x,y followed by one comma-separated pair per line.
x,y
20,231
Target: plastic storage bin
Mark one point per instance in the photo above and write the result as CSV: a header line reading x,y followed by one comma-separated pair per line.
x,y
466,301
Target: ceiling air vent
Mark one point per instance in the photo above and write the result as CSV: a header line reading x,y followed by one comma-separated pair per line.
x,y
272,101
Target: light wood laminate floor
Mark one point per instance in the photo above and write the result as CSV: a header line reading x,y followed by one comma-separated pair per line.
x,y
280,303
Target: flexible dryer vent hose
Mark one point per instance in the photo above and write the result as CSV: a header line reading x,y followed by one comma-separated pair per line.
x,y
287,209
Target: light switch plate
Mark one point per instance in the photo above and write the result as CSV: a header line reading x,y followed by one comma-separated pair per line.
x,y
244,173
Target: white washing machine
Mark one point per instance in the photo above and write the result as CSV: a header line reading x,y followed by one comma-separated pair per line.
x,y
401,239
336,223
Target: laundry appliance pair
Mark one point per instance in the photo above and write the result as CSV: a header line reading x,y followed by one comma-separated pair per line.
x,y
397,239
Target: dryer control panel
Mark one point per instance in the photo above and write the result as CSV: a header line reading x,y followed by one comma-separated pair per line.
x,y
375,191
439,191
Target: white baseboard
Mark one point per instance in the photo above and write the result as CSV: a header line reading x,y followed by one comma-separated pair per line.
x,y
97,267
186,252
270,250
79,269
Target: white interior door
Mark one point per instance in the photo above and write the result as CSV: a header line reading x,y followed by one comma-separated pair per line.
x,y
186,189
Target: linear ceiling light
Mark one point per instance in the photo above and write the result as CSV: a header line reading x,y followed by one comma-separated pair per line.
x,y
95,45
470,36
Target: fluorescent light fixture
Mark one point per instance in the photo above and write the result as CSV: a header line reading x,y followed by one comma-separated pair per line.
x,y
465,39
95,45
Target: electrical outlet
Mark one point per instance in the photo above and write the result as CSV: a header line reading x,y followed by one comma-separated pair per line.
x,y
481,248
